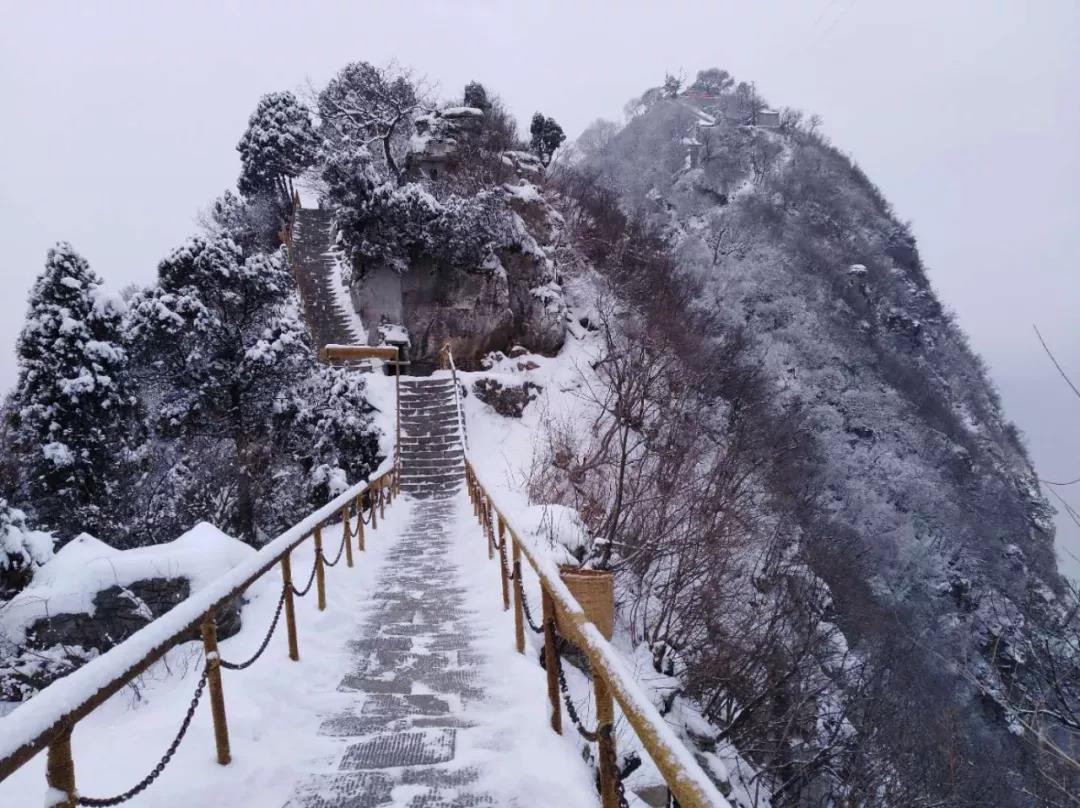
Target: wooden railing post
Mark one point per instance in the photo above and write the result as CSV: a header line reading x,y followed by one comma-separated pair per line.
x,y
551,660
346,537
382,501
60,770
360,517
290,606
488,529
502,563
217,695
372,503
397,398
320,570
605,723
519,617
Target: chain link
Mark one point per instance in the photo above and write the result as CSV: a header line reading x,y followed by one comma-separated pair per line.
x,y
311,579
239,666
571,709
142,785
538,629
336,561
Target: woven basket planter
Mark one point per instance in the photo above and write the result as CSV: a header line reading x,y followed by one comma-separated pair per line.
x,y
594,590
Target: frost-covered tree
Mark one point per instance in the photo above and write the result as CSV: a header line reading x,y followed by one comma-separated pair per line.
x,y
279,143
323,431
672,85
713,81
369,105
547,136
74,414
220,344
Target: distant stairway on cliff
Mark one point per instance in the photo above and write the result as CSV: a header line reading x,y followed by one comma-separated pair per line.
x,y
432,457
314,266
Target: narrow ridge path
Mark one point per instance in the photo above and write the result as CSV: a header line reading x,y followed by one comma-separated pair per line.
x,y
444,713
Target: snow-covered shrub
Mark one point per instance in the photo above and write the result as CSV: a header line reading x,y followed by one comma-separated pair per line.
x,y
22,550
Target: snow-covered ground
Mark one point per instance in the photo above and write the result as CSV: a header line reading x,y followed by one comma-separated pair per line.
x,y
275,708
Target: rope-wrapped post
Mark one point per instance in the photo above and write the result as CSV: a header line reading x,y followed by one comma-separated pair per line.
x,y
488,529
551,662
382,502
60,771
473,493
217,695
320,570
290,606
609,767
346,530
360,522
372,504
502,563
519,617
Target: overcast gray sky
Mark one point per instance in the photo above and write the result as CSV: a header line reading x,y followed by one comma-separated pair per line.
x,y
120,122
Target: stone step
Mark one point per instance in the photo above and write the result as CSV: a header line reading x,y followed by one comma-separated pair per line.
x,y
428,441
432,476
429,430
440,409
451,455
411,465
422,419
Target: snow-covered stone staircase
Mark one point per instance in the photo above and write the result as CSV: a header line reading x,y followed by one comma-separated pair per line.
x,y
315,266
432,457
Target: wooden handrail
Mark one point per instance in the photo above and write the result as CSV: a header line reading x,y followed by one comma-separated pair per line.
x,y
52,713
446,356
685,777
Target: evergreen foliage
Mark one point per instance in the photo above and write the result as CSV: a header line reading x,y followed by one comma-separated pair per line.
x,y
215,333
74,412
476,96
547,136
279,143
365,103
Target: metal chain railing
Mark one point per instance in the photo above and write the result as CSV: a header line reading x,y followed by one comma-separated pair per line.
x,y
239,666
143,784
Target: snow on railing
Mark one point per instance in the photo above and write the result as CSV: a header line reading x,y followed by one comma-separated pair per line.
x,y
447,357
686,780
47,719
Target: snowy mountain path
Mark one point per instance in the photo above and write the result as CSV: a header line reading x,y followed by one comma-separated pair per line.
x,y
442,712
330,320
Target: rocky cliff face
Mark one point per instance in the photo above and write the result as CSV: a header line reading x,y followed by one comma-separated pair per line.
x,y
507,293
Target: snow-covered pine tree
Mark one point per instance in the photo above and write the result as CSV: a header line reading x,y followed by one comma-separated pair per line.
x,y
220,343
74,415
323,440
279,143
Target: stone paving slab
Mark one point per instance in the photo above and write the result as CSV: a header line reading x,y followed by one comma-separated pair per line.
x,y
401,749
